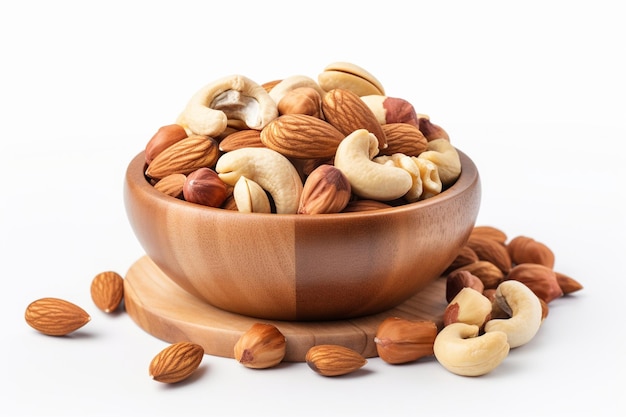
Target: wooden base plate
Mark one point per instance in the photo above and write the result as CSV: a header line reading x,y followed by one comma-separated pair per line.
x,y
166,311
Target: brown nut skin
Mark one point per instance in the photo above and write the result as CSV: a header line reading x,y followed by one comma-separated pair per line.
x,y
539,278
334,360
176,362
365,205
490,250
460,279
301,100
107,290
162,139
261,346
400,340
523,249
431,130
347,112
204,186
326,190
488,273
403,138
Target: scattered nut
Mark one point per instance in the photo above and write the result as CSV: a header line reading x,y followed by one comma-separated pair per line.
x,y
107,291
490,250
261,346
523,249
568,284
334,360
460,349
524,309
400,340
460,279
176,362
55,316
468,306
539,278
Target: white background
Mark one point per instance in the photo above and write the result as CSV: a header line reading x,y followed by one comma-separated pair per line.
x,y
533,91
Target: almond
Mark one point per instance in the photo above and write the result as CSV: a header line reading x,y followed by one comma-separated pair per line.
x,y
491,250
539,278
55,316
176,362
184,156
261,346
365,205
567,283
247,138
347,112
400,340
334,360
301,136
107,291
490,232
403,138
171,185
523,249
465,256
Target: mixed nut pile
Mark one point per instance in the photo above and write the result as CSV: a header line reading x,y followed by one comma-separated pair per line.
x,y
338,144
498,292
302,146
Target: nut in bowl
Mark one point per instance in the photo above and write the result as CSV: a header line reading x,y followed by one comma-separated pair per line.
x,y
302,267
267,208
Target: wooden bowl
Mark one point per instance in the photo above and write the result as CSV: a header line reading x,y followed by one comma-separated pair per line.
x,y
302,267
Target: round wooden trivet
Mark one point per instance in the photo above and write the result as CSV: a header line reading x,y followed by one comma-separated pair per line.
x,y
166,311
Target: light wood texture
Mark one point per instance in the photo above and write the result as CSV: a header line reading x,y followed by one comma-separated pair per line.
x,y
302,267
166,311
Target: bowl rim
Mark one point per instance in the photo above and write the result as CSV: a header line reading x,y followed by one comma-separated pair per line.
x,y
469,175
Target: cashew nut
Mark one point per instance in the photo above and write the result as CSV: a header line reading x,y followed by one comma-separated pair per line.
x,y
524,307
233,97
446,158
461,351
271,170
405,162
250,197
291,83
431,183
367,178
